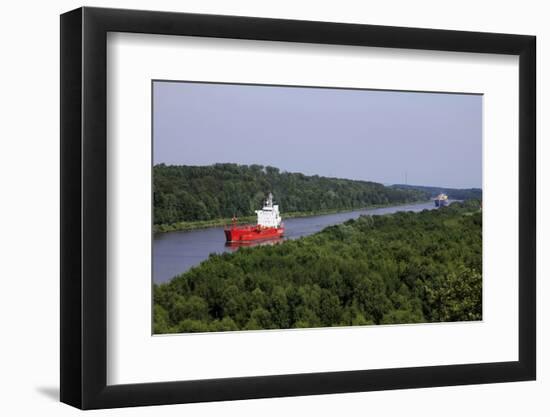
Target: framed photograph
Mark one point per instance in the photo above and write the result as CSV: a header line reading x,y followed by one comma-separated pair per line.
x,y
257,208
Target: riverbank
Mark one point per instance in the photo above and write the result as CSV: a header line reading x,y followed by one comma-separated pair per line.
x,y
205,224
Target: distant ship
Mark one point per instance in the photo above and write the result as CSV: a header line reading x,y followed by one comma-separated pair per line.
x,y
269,225
441,200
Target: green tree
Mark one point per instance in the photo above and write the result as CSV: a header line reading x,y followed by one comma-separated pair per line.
x,y
400,268
221,191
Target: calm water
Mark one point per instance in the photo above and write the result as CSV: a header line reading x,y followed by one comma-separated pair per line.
x,y
176,252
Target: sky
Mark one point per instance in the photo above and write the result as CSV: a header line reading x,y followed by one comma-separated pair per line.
x,y
383,136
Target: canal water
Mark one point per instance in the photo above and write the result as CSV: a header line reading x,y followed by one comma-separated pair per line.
x,y
176,252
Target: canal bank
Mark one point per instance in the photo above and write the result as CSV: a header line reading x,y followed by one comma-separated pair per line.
x,y
205,224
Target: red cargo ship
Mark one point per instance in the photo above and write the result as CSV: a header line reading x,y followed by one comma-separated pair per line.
x,y
269,225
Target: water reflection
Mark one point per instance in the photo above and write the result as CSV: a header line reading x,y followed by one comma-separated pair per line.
x,y
233,246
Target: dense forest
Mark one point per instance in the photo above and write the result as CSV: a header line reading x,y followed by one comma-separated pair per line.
x,y
452,193
400,268
220,191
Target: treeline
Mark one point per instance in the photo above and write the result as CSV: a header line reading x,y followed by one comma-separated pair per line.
x,y
400,268
452,193
202,193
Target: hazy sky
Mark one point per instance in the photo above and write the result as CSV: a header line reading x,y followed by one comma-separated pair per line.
x,y
434,139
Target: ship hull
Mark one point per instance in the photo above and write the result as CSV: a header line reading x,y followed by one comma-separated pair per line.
x,y
249,233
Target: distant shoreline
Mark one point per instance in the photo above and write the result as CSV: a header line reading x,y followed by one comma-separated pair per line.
x,y
205,224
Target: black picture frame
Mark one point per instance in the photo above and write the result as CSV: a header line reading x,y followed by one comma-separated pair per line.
x,y
84,207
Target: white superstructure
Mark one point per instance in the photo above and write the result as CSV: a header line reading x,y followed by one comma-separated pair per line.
x,y
269,215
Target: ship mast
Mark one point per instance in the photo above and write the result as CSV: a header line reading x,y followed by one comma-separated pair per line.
x,y
269,200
